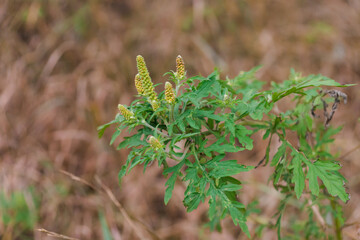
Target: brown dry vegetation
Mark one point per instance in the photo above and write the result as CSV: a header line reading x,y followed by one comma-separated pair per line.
x,y
65,65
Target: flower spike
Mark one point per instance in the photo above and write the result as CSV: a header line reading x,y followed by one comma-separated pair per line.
x,y
169,93
180,68
155,144
146,83
128,115
138,84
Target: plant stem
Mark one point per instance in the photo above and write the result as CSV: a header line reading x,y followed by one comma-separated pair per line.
x,y
155,129
337,223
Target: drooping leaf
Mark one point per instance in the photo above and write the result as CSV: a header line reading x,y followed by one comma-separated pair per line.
x,y
170,183
298,174
279,154
333,181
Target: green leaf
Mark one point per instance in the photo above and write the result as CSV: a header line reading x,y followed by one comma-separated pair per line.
x,y
230,125
104,227
181,125
239,219
209,114
170,183
242,135
114,136
313,182
183,136
192,123
298,174
203,90
101,129
279,154
192,201
227,168
216,147
133,141
331,178
231,187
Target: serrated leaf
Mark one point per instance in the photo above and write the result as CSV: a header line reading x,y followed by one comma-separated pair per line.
x,y
203,90
227,168
243,138
239,219
298,175
192,123
332,180
209,114
134,154
101,129
230,125
231,187
216,147
170,183
132,141
279,154
313,182
181,125
114,136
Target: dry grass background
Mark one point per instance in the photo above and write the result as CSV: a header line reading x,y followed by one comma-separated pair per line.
x,y
65,65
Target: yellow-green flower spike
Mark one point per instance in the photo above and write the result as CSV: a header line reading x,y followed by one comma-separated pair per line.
x,y
128,115
155,104
138,84
154,143
169,93
147,85
180,68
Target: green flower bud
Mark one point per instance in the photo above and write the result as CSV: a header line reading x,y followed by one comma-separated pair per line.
x,y
128,115
155,144
138,84
155,105
180,68
169,93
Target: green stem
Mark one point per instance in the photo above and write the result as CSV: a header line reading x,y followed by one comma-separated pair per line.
x,y
336,220
155,129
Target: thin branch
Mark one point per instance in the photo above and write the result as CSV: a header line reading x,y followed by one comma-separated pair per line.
x,y
179,158
57,235
317,214
111,196
155,129
350,152
78,179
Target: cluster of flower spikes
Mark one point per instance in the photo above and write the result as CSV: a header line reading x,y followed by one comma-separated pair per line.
x,y
145,87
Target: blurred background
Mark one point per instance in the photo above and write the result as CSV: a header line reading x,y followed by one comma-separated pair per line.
x,y
65,65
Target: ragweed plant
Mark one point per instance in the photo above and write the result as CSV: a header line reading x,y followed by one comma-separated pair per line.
x,y
189,129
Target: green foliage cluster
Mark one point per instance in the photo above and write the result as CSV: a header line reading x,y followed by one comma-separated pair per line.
x,y
211,117
18,213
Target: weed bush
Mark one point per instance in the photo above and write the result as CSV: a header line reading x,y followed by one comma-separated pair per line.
x,y
190,127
